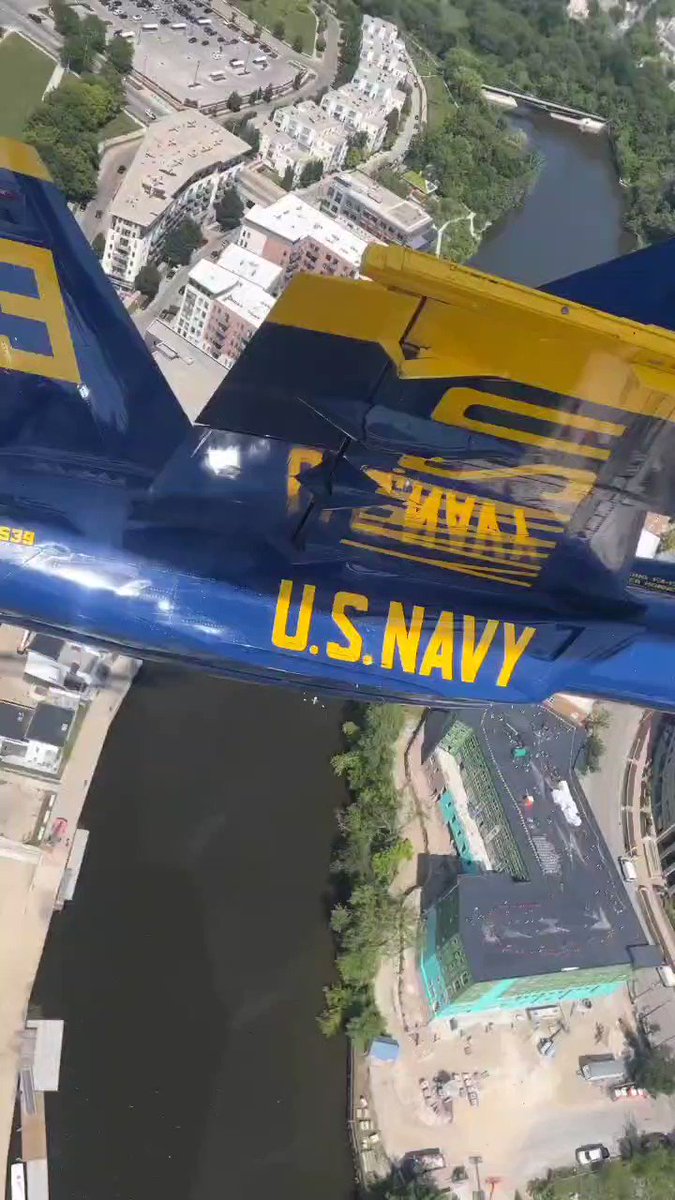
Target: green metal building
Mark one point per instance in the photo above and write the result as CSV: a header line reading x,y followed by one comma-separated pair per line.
x,y
551,920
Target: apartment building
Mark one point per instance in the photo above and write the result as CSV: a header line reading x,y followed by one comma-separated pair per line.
x,y
355,197
359,114
303,132
298,237
383,49
182,163
281,153
220,311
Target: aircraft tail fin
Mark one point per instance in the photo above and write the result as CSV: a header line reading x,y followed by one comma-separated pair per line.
x,y
78,388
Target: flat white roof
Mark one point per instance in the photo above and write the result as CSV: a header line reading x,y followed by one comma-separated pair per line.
x,y
212,277
292,219
173,150
248,301
253,267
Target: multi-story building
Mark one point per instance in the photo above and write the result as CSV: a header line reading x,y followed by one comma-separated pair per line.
x,y
308,125
220,311
252,267
353,196
298,237
182,163
314,133
383,49
357,113
281,153
537,912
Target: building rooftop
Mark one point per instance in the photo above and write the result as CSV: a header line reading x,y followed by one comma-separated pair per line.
x,y
212,277
292,219
50,724
408,215
47,645
14,721
349,96
316,118
192,375
249,266
573,909
257,187
174,149
248,301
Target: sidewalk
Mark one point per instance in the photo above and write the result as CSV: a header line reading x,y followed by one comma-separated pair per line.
x,y
28,889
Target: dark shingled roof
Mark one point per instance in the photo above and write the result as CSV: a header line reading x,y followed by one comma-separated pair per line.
x,y
14,720
574,910
46,644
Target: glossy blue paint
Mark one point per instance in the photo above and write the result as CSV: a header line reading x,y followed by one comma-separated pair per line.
x,y
168,541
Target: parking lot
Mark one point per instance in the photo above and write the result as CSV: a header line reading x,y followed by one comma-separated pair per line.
x,y
195,55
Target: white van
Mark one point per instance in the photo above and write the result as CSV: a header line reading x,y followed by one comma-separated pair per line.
x,y
236,62
628,868
666,975
179,25
150,28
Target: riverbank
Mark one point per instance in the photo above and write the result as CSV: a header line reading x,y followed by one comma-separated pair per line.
x,y
31,871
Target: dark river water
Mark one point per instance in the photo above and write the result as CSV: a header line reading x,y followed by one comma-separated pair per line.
x,y
190,965
572,217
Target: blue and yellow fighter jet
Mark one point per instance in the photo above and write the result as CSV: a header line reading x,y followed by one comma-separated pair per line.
x,y
425,485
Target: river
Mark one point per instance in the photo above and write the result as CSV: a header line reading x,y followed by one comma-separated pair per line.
x,y
571,219
189,967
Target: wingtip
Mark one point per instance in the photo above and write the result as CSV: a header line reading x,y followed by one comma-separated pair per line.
x,y
22,159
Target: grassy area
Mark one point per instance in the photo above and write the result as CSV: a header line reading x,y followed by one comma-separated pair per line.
x,y
120,124
438,99
24,74
297,18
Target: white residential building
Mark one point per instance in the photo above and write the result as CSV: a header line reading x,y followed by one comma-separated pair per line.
x,y
182,163
298,237
315,136
354,197
359,114
251,267
221,310
280,152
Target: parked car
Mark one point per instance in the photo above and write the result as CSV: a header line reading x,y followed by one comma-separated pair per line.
x,y
628,1091
192,41
121,170
547,1047
587,1155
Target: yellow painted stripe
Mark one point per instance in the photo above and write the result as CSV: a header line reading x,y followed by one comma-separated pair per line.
x,y
434,562
23,159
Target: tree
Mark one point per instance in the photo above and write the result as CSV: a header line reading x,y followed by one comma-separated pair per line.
x,y
147,281
392,120
321,43
229,209
297,43
311,172
356,148
279,30
268,94
653,1068
298,80
181,243
288,179
120,54
93,29
66,19
234,101
98,245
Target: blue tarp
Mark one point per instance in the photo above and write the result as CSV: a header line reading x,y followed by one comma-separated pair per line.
x,y
385,1049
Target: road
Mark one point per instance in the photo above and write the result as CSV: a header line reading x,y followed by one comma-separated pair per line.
x,y
168,293
109,180
416,120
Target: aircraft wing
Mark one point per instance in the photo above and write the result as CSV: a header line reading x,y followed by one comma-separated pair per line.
x,y
425,483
